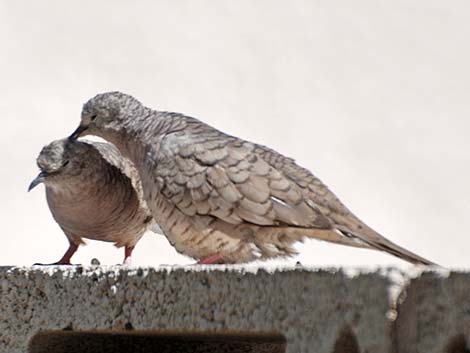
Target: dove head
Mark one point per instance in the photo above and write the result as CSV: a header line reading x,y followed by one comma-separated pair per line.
x,y
59,160
106,112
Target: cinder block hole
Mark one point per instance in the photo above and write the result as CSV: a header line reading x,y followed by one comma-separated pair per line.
x,y
150,341
458,344
346,342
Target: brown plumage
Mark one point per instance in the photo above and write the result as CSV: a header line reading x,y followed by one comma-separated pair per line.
x,y
93,193
219,198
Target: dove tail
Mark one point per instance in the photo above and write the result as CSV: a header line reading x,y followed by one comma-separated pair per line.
x,y
404,254
378,242
333,236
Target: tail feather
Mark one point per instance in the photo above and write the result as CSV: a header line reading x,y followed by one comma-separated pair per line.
x,y
404,254
378,242
333,236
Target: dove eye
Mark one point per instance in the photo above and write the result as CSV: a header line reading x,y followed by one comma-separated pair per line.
x,y
93,117
65,163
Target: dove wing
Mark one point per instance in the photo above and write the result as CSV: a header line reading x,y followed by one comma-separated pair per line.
x,y
112,155
314,188
224,177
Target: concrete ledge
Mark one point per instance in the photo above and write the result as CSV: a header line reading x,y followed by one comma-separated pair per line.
x,y
321,311
434,314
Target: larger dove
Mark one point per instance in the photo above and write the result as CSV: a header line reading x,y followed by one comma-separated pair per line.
x,y
219,198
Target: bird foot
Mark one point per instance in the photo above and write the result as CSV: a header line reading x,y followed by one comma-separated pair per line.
x,y
127,262
215,259
58,263
127,256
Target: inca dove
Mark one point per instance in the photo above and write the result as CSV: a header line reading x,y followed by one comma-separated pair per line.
x,y
94,193
219,198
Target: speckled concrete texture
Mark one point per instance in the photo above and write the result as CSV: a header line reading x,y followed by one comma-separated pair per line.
x,y
321,311
434,314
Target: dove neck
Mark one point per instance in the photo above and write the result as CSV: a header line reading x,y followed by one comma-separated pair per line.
x,y
140,132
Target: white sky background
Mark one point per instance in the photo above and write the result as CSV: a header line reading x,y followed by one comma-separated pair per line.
x,y
372,96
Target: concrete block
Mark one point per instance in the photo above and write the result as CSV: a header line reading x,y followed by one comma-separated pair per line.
x,y
434,314
293,310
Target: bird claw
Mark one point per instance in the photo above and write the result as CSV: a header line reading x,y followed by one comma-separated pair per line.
x,y
58,263
215,259
126,263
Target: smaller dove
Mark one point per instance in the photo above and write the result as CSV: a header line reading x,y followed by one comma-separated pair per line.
x,y
93,193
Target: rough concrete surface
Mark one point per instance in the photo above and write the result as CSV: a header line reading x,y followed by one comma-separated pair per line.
x,y
321,311
434,314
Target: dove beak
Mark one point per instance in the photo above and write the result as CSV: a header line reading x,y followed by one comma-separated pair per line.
x,y
76,134
38,180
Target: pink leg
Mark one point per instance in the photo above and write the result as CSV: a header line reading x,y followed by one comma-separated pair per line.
x,y
211,260
127,255
65,260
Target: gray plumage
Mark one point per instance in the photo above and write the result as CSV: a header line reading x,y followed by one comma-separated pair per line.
x,y
93,193
219,198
